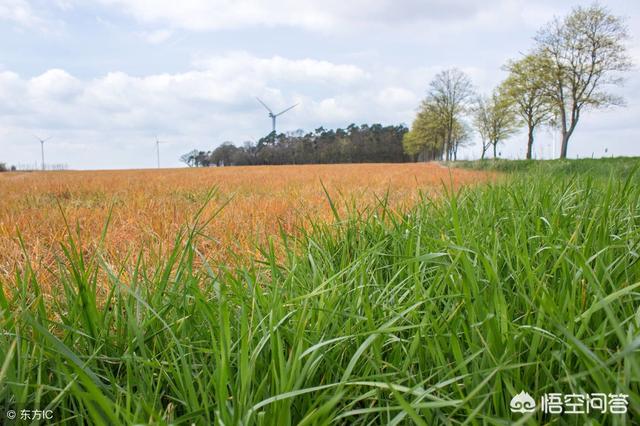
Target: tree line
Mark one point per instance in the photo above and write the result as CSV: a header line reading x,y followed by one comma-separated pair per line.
x,y
356,144
567,72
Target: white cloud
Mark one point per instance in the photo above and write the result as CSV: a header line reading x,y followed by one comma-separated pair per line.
x,y
157,36
331,110
398,96
19,12
54,85
11,87
279,68
200,15
38,16
334,15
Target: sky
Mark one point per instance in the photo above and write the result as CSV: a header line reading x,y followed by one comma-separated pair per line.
x,y
104,78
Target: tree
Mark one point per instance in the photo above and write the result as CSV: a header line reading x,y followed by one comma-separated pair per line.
x,y
190,158
356,144
461,137
525,90
451,91
482,123
426,140
203,158
411,144
224,155
582,54
197,158
494,120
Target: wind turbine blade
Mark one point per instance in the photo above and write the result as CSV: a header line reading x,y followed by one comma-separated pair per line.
x,y
290,108
264,105
40,139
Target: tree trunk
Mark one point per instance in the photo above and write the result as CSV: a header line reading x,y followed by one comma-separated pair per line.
x,y
530,143
564,146
495,146
565,134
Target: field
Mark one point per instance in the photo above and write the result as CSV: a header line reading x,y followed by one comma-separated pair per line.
x,y
147,209
432,304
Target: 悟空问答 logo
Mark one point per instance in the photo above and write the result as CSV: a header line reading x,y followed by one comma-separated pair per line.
x,y
522,403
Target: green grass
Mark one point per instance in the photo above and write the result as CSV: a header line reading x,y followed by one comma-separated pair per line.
x,y
603,167
438,315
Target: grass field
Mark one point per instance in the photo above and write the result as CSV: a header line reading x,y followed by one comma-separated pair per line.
x,y
433,311
146,209
620,167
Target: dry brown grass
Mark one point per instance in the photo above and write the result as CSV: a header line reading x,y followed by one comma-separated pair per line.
x,y
150,206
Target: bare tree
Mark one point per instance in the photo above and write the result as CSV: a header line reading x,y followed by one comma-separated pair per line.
x,y
452,92
189,158
461,137
494,120
482,123
582,54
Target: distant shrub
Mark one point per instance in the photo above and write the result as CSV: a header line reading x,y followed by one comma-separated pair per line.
x,y
3,167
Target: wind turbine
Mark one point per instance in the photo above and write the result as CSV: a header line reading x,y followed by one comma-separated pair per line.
x,y
42,141
273,116
158,142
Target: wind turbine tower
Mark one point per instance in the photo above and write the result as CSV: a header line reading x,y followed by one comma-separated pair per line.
x,y
274,116
42,141
158,142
